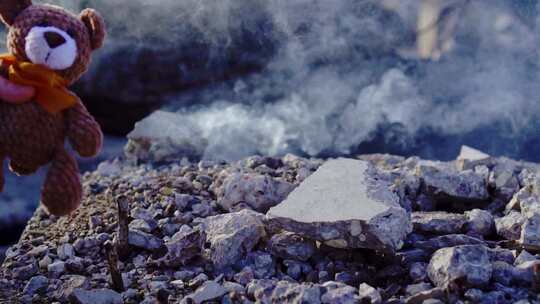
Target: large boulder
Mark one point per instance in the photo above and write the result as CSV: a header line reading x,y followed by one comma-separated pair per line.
x,y
345,204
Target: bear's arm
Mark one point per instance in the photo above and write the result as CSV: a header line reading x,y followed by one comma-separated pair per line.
x,y
83,131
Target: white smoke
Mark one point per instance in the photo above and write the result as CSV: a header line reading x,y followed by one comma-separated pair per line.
x,y
337,77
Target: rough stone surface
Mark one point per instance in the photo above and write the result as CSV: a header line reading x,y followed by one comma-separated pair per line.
x,y
255,191
438,222
96,296
144,240
479,222
445,185
37,284
530,232
468,263
345,205
232,235
471,154
208,291
509,226
288,245
367,292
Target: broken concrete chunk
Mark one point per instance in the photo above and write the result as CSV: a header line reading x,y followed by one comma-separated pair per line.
x,y
232,235
288,245
438,222
345,204
468,153
470,264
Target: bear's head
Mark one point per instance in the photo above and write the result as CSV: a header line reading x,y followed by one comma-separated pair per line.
x,y
51,36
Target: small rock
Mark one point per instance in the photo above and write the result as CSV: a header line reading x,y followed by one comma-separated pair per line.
x,y
94,222
25,272
144,240
37,284
198,280
474,295
286,292
75,264
469,263
524,272
449,240
417,288
418,272
141,225
523,257
261,263
367,292
288,245
509,226
56,269
183,247
530,232
502,272
232,235
339,293
65,251
479,222
258,192
96,296
420,298
208,291
438,222
234,287
445,185
345,204
44,262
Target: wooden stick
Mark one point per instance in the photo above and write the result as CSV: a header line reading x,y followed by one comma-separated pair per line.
x,y
112,259
122,245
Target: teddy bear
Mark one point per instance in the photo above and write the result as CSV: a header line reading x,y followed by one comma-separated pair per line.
x,y
49,49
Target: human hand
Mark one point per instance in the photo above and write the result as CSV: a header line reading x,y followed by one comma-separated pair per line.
x,y
14,93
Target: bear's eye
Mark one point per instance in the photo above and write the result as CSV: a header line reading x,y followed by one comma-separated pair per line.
x,y
43,23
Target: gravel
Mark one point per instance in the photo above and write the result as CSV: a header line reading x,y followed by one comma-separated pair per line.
x,y
195,237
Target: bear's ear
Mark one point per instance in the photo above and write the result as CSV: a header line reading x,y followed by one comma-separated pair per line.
x,y
96,27
10,9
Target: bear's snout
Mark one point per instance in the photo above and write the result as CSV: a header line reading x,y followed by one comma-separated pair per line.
x,y
54,39
51,46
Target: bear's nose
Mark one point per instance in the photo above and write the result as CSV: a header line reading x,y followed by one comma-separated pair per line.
x,y
54,39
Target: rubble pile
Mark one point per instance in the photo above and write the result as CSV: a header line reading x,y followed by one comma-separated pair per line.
x,y
375,229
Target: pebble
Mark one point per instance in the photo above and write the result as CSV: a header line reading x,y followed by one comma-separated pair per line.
x,y
210,290
65,251
37,284
367,292
144,240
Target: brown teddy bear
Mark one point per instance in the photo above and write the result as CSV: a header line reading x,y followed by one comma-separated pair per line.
x,y
49,49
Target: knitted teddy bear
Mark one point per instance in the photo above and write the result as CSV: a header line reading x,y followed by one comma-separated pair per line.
x,y
49,49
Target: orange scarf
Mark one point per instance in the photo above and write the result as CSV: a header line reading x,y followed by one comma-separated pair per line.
x,y
51,92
